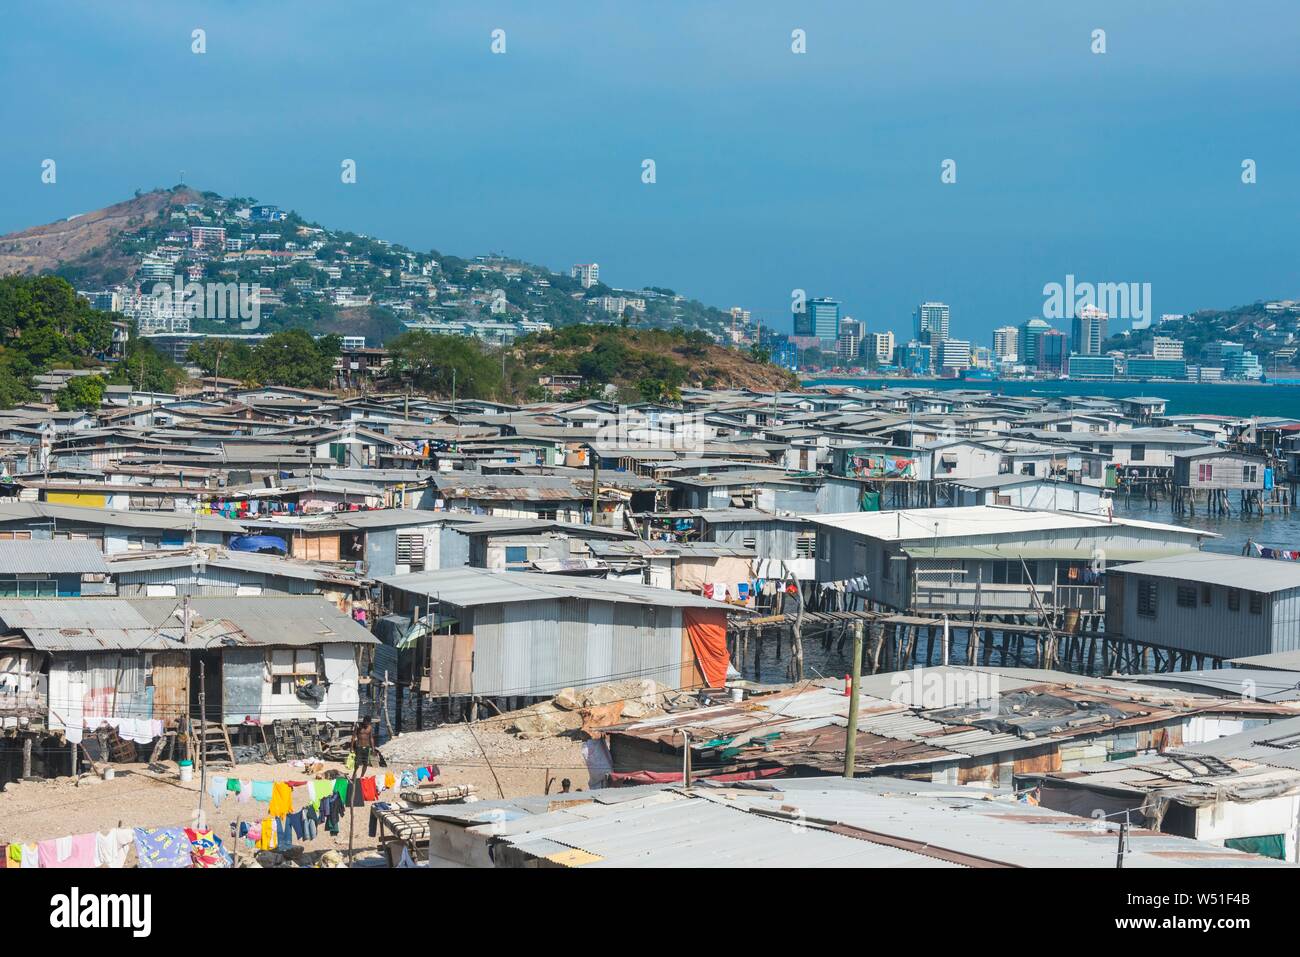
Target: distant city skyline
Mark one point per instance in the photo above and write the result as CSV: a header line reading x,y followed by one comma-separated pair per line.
x,y
1120,167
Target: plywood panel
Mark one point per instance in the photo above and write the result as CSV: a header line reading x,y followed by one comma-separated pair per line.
x,y
170,675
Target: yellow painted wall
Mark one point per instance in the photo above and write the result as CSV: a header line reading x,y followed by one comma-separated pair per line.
x,y
88,499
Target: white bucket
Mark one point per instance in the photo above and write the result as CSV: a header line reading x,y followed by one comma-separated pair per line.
x,y
109,774
187,770
737,694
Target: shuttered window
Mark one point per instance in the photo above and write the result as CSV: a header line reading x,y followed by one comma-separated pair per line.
x,y
1147,598
410,549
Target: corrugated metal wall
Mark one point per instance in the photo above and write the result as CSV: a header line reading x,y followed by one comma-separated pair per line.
x,y
539,647
213,582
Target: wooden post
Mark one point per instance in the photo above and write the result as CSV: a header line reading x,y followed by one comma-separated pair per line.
x,y
851,734
27,757
203,733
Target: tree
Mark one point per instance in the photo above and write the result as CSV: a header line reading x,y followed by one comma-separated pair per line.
x,y
294,358
144,367
222,357
432,362
84,392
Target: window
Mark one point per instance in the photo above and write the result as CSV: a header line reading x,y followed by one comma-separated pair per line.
x,y
291,665
160,591
1234,599
410,549
805,545
28,588
749,541
1256,603
516,554
15,536
1204,472
547,514
1250,473
1106,449
1206,594
1137,453
886,565
1186,596
1147,594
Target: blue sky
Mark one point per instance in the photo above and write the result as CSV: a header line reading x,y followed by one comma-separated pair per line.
x,y
775,171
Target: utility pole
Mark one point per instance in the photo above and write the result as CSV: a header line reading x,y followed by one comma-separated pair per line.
x,y
595,483
851,734
1123,840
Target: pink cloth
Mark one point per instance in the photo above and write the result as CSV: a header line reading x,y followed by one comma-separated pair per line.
x,y
76,851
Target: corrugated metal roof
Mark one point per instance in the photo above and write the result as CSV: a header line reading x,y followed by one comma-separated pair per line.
x,y
1265,575
173,521
820,822
468,587
929,524
51,557
99,623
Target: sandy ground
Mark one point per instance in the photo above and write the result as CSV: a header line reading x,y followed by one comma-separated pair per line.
x,y
138,797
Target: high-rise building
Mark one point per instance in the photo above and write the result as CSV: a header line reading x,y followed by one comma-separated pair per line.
x,y
586,273
1053,352
824,315
1088,331
1006,341
915,357
932,318
846,348
1030,332
1163,347
880,345
954,354
852,327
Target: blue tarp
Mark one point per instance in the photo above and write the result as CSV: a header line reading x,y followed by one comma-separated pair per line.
x,y
259,543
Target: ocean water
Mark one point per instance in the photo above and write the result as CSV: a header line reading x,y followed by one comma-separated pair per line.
x,y
1237,399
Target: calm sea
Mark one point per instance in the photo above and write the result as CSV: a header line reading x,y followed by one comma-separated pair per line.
x,y
1184,397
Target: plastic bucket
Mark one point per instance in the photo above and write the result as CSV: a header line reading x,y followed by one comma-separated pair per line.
x,y
187,770
737,694
109,774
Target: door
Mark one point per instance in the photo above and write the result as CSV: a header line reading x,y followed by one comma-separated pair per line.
x,y
170,677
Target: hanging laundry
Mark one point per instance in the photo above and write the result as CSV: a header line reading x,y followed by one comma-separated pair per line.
x,y
112,847
281,799
162,847
78,851
263,791
206,849
216,790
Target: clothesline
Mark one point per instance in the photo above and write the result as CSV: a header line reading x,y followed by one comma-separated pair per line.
x,y
321,804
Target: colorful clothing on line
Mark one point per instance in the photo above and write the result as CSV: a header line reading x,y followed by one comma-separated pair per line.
x,y
266,840
206,849
76,851
281,799
368,790
162,847
263,791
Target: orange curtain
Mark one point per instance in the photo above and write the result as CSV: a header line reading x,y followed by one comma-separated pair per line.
x,y
707,631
